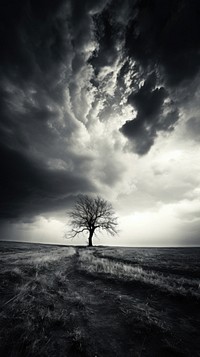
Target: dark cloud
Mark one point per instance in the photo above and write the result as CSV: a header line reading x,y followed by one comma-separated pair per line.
x,y
29,187
32,39
165,39
148,100
150,119
40,45
107,37
162,40
166,35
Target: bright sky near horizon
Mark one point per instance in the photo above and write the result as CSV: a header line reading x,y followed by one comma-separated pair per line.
x,y
101,98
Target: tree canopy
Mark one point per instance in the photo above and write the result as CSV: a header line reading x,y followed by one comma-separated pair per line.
x,y
91,215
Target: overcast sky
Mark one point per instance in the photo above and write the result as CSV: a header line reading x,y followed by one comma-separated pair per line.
x,y
100,97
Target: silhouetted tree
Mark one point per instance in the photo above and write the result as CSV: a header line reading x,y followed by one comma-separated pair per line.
x,y
92,214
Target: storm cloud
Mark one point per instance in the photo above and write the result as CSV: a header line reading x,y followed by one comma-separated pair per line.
x,y
163,39
149,103
38,129
84,84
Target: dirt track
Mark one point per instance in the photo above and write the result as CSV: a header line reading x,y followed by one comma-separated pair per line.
x,y
74,313
128,319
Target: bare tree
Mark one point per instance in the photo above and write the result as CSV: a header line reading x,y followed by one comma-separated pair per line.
x,y
92,214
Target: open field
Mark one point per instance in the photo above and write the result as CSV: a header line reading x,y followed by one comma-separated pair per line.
x,y
103,302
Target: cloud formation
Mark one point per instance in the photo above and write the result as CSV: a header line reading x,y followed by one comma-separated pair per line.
x,y
152,115
163,39
50,109
38,129
86,85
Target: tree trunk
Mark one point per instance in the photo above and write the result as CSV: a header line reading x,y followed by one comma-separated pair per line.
x,y
90,238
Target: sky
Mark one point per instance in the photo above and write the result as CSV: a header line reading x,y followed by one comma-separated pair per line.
x,y
100,97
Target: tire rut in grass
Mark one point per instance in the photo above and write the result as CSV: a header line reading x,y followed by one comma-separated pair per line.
x,y
107,320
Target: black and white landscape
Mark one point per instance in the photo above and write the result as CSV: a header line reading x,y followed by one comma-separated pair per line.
x,y
99,133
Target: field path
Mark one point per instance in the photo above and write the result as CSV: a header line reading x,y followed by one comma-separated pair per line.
x,y
55,306
128,319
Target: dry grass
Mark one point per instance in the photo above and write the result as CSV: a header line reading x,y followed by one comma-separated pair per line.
x,y
173,284
48,307
34,313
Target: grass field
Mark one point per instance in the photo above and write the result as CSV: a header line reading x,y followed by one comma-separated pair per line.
x,y
99,302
